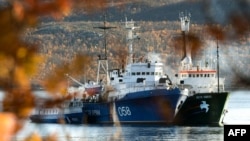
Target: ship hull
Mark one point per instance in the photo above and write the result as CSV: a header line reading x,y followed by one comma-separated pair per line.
x,y
71,113
75,118
203,109
153,106
96,113
156,108
72,118
46,118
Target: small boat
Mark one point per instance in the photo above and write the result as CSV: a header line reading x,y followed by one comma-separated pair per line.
x,y
207,98
69,112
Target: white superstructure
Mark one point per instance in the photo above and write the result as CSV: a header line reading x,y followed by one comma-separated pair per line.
x,y
198,78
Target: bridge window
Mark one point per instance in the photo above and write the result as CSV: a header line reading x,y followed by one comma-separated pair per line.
x,y
197,75
133,73
201,75
147,73
138,73
193,75
152,73
156,73
189,75
143,73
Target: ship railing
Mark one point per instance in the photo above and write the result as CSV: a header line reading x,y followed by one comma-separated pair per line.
x,y
48,111
236,88
148,84
135,88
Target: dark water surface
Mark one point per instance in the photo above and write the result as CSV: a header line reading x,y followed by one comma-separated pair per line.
x,y
238,113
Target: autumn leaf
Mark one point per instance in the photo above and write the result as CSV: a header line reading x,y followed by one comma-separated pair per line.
x,y
33,137
8,125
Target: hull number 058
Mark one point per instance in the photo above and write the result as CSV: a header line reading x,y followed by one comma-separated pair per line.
x,y
124,111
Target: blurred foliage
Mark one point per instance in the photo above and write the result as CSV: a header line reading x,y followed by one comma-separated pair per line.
x,y
19,60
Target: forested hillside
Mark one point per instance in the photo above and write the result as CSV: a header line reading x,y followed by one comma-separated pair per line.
x,y
60,41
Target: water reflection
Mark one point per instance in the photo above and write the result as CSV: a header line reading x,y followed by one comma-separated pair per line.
x,y
123,133
149,133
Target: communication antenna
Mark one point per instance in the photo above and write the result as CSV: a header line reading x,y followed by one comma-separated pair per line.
x,y
185,22
131,36
102,60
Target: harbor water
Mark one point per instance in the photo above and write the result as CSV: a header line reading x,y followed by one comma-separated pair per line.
x,y
238,113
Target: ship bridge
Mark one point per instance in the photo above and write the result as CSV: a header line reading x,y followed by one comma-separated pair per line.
x,y
201,79
146,73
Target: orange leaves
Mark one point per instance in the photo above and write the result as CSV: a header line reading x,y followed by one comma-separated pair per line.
x,y
20,77
37,137
64,6
164,108
20,60
19,101
34,137
57,81
91,5
79,64
217,32
121,54
240,24
55,8
7,124
192,42
34,8
195,43
18,65
18,10
6,63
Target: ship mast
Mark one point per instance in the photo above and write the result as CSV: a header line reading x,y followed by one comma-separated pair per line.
x,y
102,60
185,21
129,25
218,67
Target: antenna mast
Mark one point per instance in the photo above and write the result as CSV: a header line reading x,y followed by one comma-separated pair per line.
x,y
103,59
218,73
185,21
129,25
